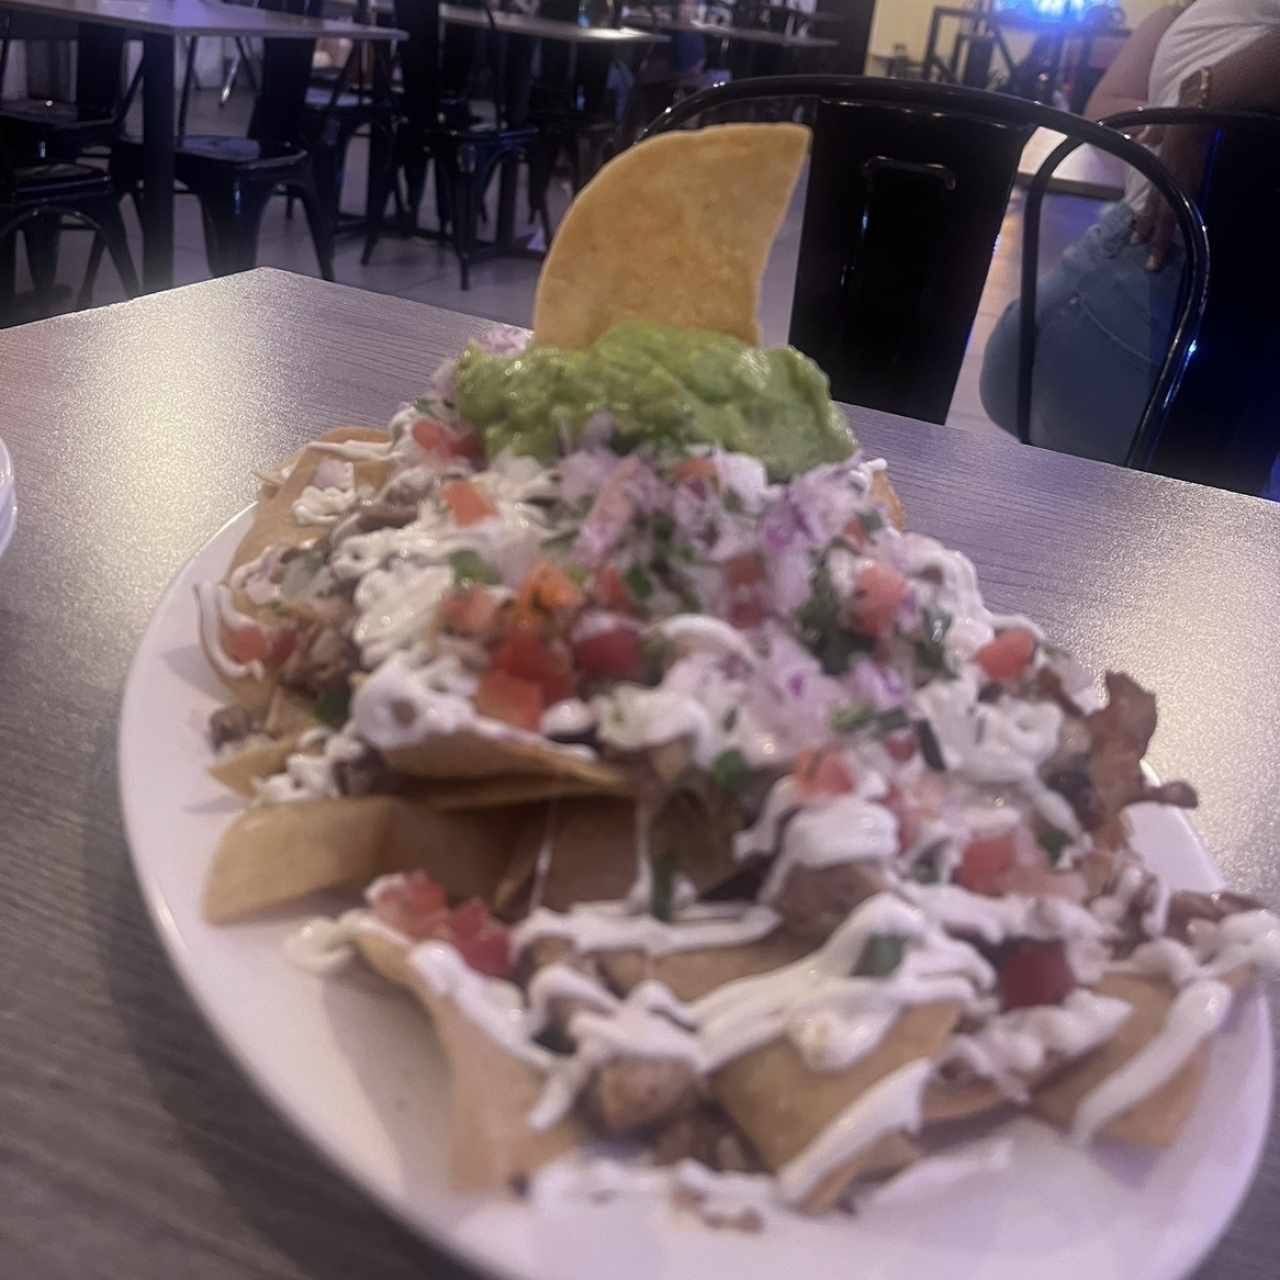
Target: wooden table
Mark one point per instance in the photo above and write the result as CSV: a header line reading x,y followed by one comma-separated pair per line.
x,y
130,1146
1085,172
159,23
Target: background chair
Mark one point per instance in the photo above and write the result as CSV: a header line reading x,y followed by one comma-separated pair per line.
x,y
48,192
440,125
234,178
908,184
1224,428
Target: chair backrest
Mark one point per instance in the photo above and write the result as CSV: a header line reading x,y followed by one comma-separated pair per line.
x,y
286,74
907,188
99,77
1224,428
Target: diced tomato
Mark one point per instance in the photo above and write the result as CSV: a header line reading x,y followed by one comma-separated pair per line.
x,y
901,746
877,597
743,571
469,918
434,437
855,532
412,903
245,644
549,587
745,614
471,611
609,588
984,864
1007,656
526,655
610,655
823,773
509,699
1035,973
468,504
487,950
694,470
283,642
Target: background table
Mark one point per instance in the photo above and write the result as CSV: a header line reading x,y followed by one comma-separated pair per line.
x,y
1085,172
130,1147
159,23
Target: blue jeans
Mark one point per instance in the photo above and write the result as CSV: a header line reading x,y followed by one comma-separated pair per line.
x,y
1104,323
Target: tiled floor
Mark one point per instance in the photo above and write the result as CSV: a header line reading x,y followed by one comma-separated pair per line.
x,y
503,289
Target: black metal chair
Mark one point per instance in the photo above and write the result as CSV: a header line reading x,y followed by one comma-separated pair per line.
x,y
1224,428
439,125
47,192
908,186
45,128
234,178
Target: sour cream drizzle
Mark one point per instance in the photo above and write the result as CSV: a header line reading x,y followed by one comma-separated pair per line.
x,y
217,610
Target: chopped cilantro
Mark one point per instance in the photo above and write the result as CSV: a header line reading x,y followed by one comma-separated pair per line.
x,y
333,706
927,868
730,770
662,887
822,628
1053,842
638,583
930,747
733,501
729,719
468,568
881,955
684,551
892,720
663,526
851,719
934,626
871,521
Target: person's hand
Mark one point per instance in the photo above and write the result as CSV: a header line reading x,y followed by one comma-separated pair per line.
x,y
1182,151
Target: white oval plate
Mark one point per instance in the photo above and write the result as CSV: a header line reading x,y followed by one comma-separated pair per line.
x,y
8,502
354,1065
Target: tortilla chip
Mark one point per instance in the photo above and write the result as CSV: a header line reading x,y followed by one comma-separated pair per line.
x,y
275,854
783,1105
1157,1119
491,1145
885,495
692,974
498,793
593,851
675,230
289,715
474,755
239,770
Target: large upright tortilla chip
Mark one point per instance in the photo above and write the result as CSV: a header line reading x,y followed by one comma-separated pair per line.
x,y
675,230
492,1147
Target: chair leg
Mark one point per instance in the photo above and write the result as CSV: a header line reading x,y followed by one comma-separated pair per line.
x,y
91,271
319,224
382,173
415,181
232,214
43,235
288,205
111,233
463,185
8,272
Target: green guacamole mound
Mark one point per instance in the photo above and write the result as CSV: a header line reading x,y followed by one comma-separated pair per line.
x,y
663,386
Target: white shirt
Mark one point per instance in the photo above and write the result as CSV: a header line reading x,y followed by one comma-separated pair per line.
x,y
1203,35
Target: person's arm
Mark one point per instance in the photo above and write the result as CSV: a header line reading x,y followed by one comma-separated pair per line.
x,y
1125,84
1248,80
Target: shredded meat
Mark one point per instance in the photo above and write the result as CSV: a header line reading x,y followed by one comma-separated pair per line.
x,y
1186,906
629,1095
816,900
228,725
704,1133
365,776
1100,780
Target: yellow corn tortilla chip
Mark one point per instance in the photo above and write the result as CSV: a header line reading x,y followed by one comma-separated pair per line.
x,y
491,1144
783,1105
288,716
474,755
692,974
272,855
1157,1119
498,793
593,851
675,230
239,770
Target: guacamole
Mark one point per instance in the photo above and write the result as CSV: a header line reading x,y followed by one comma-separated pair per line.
x,y
662,385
